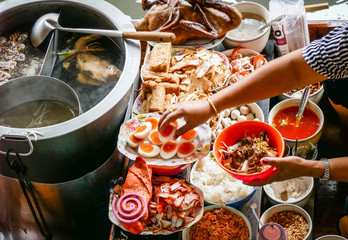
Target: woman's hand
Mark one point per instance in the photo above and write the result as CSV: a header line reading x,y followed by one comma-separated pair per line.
x,y
195,113
289,167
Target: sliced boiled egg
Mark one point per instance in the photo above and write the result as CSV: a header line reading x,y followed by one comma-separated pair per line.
x,y
168,132
185,149
153,121
154,137
188,136
133,141
148,150
143,130
169,149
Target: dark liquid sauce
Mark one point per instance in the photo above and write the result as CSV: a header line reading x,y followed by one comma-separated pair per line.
x,y
39,113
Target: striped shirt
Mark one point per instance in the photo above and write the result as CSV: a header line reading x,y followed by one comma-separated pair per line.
x,y
328,56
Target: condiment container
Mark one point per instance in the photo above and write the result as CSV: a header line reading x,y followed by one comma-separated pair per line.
x,y
272,231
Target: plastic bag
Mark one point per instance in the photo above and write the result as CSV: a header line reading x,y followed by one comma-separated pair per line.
x,y
292,32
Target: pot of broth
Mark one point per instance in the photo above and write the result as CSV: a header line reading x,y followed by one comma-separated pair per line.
x,y
73,158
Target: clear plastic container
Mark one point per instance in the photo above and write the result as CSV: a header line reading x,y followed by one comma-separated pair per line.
x,y
272,231
292,32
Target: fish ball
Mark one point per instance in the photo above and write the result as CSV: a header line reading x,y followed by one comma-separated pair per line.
x,y
213,135
219,126
225,122
244,110
241,118
218,132
233,122
250,116
227,112
256,119
235,114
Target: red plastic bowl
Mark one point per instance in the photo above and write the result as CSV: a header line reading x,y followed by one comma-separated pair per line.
x,y
238,130
168,170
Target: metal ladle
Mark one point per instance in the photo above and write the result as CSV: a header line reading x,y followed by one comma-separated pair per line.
x,y
304,100
48,22
277,19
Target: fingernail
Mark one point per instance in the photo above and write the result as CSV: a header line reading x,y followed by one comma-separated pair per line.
x,y
264,160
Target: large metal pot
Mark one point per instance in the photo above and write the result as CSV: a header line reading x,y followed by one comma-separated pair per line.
x,y
71,164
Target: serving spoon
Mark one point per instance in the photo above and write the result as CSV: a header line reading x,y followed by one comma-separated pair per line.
x,y
48,22
277,19
304,100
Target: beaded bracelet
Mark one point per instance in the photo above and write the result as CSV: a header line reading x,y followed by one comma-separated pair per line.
x,y
212,105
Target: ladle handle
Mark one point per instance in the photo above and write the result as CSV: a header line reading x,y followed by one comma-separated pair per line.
x,y
142,35
151,36
315,7
303,103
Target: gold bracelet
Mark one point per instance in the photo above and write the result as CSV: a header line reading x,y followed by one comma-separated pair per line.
x,y
212,105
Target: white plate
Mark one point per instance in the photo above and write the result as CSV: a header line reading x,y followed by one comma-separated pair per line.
x,y
200,42
115,221
203,148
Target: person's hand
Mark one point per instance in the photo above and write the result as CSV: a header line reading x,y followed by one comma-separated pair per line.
x,y
289,167
195,113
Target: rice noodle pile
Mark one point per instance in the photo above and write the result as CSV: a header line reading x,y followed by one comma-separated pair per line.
x,y
217,185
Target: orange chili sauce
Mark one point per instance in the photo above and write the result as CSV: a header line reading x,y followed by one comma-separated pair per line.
x,y
285,121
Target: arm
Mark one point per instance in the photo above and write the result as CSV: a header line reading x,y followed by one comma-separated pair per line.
x,y
292,167
278,76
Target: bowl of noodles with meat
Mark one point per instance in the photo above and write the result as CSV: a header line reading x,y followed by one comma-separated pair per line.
x,y
315,95
219,222
239,148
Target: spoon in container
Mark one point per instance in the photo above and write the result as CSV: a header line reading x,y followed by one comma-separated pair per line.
x,y
253,207
276,20
304,100
48,22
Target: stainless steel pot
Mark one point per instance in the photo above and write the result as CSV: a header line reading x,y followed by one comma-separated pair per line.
x,y
80,138
71,164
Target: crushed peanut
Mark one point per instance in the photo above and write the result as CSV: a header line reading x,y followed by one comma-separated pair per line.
x,y
294,224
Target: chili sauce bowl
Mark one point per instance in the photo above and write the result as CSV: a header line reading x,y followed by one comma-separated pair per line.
x,y
314,138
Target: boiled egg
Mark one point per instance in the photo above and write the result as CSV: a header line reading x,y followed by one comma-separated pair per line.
x,y
154,137
153,121
169,149
148,150
133,141
143,130
168,132
185,149
188,136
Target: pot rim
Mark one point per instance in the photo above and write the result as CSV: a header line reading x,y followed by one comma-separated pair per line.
x,y
132,61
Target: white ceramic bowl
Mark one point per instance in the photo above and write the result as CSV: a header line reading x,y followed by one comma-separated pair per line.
x,y
186,232
288,207
331,237
296,102
257,43
314,97
302,201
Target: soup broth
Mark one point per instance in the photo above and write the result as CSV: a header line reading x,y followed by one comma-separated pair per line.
x,y
39,113
248,28
285,121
